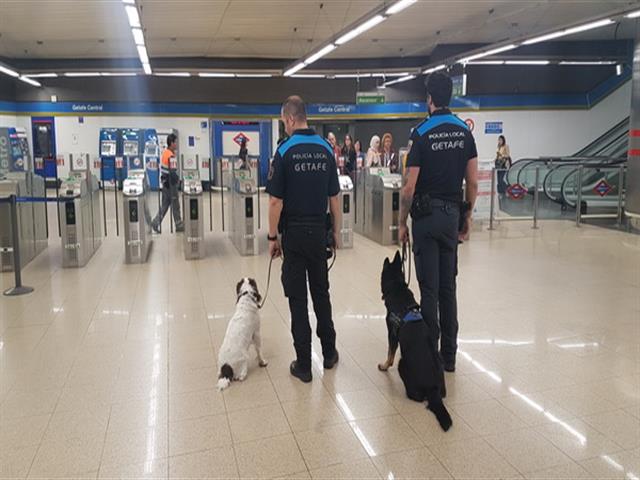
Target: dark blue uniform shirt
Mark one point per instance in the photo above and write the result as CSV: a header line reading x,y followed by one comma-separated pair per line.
x,y
304,174
441,146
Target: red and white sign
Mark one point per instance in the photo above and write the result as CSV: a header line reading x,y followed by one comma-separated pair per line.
x,y
603,188
241,136
60,160
39,163
516,191
205,164
470,123
119,162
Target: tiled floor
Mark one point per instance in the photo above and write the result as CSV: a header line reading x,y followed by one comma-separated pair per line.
x,y
109,371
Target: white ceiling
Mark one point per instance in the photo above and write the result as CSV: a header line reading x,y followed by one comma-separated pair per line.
x,y
271,28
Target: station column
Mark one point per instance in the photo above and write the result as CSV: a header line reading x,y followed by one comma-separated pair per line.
x,y
632,197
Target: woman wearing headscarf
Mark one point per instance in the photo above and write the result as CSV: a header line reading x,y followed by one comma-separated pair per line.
x,y
388,156
373,154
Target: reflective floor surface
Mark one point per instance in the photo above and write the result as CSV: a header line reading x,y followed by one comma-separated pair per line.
x,y
109,371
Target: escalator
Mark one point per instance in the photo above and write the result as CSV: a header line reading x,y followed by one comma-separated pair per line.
x,y
600,161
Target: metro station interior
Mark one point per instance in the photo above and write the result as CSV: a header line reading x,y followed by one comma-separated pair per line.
x,y
111,326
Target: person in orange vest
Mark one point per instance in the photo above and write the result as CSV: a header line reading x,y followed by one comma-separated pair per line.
x,y
170,181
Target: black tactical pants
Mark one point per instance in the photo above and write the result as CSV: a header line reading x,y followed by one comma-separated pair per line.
x,y
304,249
435,246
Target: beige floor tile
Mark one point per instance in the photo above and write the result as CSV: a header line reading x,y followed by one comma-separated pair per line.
x,y
28,404
23,432
16,461
64,459
347,377
139,414
567,471
130,447
361,404
426,426
385,435
202,403
473,458
533,408
268,458
157,469
197,434
74,424
330,445
410,464
527,450
218,463
361,469
619,426
289,388
577,439
578,400
488,417
246,395
623,465
257,423
192,379
312,413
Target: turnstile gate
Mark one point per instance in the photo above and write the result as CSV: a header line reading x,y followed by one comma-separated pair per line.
x,y
345,237
244,226
193,238
80,219
136,194
378,205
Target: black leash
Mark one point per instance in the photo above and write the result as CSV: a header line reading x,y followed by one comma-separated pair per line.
x,y
406,259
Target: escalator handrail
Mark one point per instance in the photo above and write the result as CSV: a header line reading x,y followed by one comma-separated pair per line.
x,y
619,125
565,200
545,183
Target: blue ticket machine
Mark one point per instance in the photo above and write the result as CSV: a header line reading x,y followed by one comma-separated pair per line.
x,y
110,149
131,150
152,157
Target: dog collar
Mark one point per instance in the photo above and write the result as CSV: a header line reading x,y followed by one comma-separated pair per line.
x,y
246,293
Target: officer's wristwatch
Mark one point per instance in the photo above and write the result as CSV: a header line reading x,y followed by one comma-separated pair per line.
x,y
272,239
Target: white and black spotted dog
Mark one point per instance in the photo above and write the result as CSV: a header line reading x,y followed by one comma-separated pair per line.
x,y
242,332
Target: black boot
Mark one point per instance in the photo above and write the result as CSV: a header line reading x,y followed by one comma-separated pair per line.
x,y
302,375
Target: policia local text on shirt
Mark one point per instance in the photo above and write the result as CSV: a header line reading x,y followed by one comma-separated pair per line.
x,y
443,153
302,177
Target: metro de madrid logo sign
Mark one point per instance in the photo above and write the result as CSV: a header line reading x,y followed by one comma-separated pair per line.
x,y
239,137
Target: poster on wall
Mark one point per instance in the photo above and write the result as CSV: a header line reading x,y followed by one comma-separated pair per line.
x,y
493,128
231,141
482,207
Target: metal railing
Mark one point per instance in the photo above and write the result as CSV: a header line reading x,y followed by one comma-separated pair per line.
x,y
619,204
514,218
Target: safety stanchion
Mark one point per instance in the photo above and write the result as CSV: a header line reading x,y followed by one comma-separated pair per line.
x,y
210,169
57,197
18,288
104,199
116,180
221,193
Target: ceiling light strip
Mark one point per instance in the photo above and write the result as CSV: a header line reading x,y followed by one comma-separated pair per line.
x,y
30,81
569,31
9,71
400,80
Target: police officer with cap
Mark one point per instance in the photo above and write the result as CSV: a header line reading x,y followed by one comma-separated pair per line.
x,y
302,178
442,154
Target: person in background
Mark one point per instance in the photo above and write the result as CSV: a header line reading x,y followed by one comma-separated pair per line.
x,y
334,144
349,153
243,155
373,154
502,163
388,156
170,181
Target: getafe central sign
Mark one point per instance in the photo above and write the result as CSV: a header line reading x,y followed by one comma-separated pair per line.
x,y
87,107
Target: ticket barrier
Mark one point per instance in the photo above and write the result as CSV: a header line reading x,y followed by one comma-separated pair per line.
x,y
17,178
379,204
244,225
192,206
80,213
136,194
345,238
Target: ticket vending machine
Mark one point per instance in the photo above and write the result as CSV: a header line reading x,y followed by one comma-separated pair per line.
x,y
244,199
136,195
379,204
152,157
80,214
193,238
18,178
132,150
110,148
345,237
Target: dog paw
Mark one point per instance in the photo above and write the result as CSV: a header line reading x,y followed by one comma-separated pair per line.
x,y
263,363
383,367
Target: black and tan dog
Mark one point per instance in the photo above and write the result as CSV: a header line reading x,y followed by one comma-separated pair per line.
x,y
420,366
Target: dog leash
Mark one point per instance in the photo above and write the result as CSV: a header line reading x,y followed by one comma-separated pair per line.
x,y
266,292
406,258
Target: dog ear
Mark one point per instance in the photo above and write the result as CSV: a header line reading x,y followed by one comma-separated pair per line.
x,y
238,286
386,262
397,258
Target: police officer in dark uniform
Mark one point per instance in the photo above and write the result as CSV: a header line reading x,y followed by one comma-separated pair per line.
x,y
442,154
302,178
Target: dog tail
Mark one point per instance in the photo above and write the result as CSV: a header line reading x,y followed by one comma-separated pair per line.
x,y
441,413
226,375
